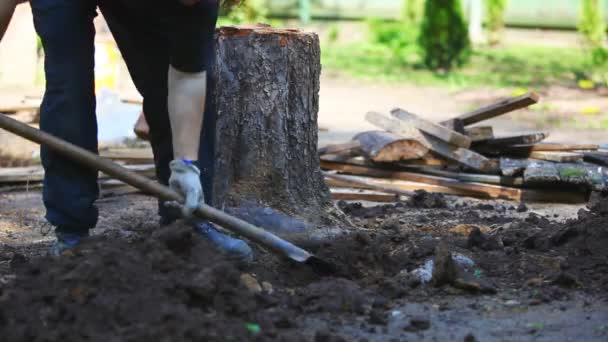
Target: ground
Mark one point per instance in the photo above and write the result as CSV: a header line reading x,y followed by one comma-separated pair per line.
x,y
533,272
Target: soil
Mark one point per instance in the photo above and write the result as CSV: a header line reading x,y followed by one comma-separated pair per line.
x,y
526,276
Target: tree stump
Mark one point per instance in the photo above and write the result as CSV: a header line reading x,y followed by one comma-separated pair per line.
x,y
266,96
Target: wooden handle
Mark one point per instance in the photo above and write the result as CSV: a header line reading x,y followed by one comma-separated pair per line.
x,y
147,185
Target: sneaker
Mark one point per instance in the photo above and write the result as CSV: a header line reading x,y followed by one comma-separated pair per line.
x,y
65,241
234,247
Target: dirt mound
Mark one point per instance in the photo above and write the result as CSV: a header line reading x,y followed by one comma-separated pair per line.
x,y
172,286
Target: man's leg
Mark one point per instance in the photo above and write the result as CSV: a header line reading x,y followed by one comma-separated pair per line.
x,y
144,45
68,110
192,46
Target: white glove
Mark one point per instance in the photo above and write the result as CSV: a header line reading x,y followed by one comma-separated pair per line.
x,y
185,180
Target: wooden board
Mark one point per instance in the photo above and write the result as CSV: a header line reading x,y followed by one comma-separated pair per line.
x,y
362,195
407,186
551,147
531,138
455,125
491,190
381,146
480,133
513,167
365,183
574,174
598,158
457,154
427,161
486,190
339,148
560,157
468,177
498,108
36,173
438,131
130,155
524,151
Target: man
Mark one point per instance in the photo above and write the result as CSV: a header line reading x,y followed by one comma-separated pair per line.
x,y
168,48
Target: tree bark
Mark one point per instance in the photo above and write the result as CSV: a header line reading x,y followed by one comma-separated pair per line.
x,y
266,100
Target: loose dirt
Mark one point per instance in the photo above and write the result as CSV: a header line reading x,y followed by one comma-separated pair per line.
x,y
509,275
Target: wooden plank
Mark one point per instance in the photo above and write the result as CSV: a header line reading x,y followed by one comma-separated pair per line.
x,y
19,107
427,161
596,158
516,167
574,174
338,148
131,155
362,195
36,173
365,183
457,154
455,125
407,186
551,147
480,133
560,157
469,177
470,188
498,108
493,191
531,138
381,146
432,128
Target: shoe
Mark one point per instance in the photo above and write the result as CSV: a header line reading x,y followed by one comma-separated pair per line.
x,y
236,248
65,241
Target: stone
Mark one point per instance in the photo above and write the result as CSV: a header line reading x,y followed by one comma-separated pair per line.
x,y
466,229
418,324
251,283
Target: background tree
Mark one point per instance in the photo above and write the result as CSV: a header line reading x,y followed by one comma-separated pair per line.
x,y
495,20
591,25
444,37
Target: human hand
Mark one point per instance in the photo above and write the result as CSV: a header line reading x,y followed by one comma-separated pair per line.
x,y
185,180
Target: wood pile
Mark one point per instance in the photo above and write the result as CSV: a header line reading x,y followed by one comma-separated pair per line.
x,y
408,153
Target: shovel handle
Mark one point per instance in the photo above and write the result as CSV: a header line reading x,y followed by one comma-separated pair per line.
x,y
152,187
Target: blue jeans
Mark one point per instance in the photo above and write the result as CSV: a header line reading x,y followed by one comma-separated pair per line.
x,y
150,37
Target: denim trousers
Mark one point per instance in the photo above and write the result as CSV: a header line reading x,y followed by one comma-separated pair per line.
x,y
150,37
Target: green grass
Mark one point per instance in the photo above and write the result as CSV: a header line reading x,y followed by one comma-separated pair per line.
x,y
512,66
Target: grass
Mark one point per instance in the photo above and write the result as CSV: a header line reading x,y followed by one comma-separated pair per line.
x,y
511,66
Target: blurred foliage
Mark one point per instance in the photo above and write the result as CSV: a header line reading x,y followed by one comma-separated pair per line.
x,y
591,22
593,29
591,25
333,33
235,12
444,36
412,11
398,37
495,22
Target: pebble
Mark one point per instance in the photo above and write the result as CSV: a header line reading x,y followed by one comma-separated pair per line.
x,y
512,302
418,324
267,287
251,283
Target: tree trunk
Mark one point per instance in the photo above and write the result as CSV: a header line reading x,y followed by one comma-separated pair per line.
x,y
267,99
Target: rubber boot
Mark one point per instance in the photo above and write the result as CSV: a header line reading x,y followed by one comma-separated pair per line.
x,y
65,242
233,247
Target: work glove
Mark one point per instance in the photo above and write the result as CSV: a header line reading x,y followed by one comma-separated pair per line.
x,y
185,180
